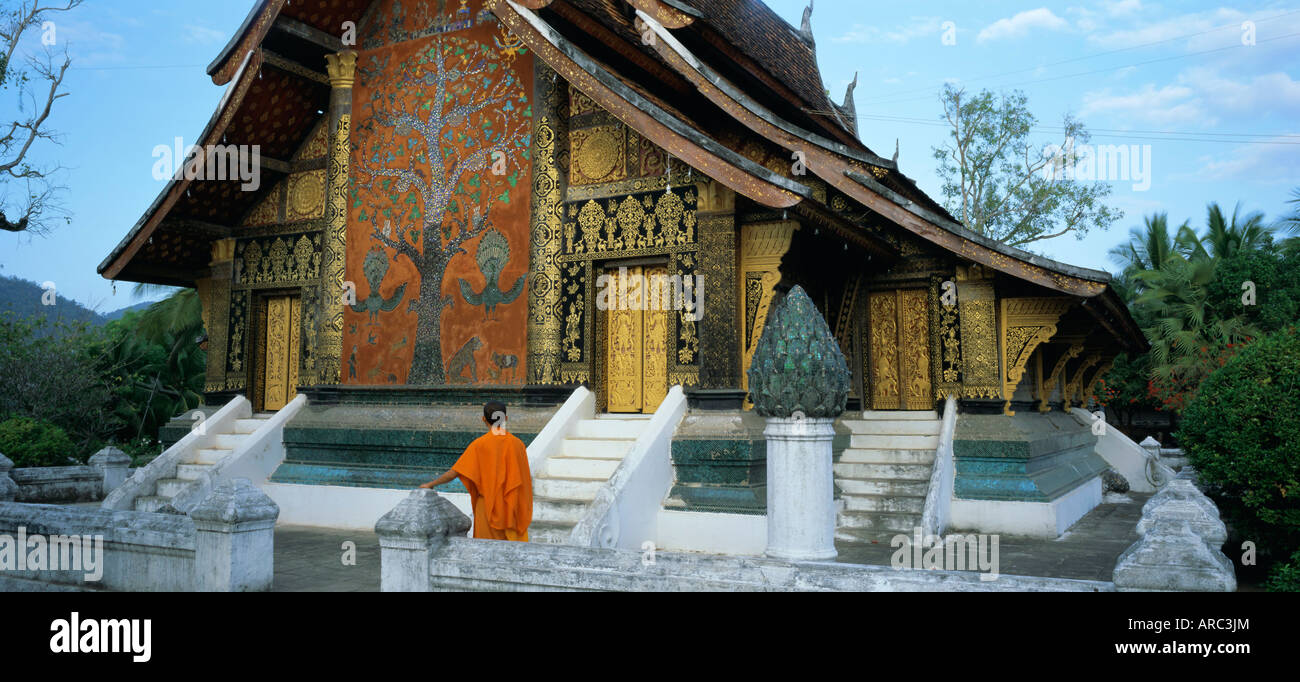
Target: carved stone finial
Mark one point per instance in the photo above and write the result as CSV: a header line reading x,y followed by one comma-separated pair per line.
x,y
805,31
342,68
798,366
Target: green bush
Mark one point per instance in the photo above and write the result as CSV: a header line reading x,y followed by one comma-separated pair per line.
x,y
32,443
1242,433
1285,577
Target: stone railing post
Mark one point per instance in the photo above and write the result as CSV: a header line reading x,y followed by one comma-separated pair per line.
x,y
409,536
113,464
1152,446
8,489
1180,545
234,542
799,382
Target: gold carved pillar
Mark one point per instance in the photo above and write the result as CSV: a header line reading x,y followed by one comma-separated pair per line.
x,y
1026,323
762,246
720,325
1075,383
550,137
214,295
1056,378
329,346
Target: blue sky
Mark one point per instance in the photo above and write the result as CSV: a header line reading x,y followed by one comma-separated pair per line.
x,y
1222,118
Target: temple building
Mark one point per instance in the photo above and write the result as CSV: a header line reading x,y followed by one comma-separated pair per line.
x,y
464,200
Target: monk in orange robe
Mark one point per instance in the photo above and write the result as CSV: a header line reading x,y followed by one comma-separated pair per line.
x,y
494,469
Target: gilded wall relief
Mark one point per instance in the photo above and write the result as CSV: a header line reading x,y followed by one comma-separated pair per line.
x,y
306,196
443,144
945,338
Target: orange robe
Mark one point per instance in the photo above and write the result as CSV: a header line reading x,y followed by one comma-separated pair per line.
x,y
494,469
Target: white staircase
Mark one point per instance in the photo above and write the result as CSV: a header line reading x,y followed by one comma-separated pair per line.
x,y
884,474
199,461
566,483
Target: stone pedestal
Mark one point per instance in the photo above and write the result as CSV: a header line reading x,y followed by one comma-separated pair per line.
x,y
8,489
234,542
410,534
114,465
800,489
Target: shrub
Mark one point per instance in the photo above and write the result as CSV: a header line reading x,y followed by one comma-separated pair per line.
x,y
1242,433
1285,577
32,443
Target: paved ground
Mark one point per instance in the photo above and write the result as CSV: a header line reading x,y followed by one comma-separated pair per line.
x,y
311,560
1087,551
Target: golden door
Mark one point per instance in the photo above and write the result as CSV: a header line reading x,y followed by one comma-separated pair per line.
x,y
637,332
899,354
280,354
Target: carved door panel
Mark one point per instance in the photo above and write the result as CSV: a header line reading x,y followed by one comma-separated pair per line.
x,y
279,373
625,343
899,353
654,365
637,344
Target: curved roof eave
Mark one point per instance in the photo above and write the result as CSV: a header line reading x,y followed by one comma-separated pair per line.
x,y
742,175
833,163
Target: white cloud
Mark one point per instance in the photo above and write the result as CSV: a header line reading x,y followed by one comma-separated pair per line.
x,y
203,35
1021,24
1165,105
917,27
1269,164
1117,8
1260,94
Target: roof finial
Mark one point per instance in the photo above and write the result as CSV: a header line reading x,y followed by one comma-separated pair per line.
x,y
805,31
850,108
895,152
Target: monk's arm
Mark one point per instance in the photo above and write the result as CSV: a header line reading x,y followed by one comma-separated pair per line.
x,y
445,478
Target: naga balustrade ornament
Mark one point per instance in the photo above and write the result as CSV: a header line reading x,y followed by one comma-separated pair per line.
x,y
798,367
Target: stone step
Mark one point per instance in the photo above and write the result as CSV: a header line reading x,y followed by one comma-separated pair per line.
x,y
902,427
612,429
171,487
248,425
228,441
585,448
863,456
888,523
549,532
210,455
909,488
865,536
893,442
150,503
905,472
900,415
566,488
191,472
558,511
575,467
884,503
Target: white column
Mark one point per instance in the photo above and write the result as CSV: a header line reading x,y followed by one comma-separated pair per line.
x,y
800,489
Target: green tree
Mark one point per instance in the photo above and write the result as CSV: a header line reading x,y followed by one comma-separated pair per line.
x,y
1001,184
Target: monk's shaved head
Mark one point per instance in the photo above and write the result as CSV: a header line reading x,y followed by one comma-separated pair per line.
x,y
494,411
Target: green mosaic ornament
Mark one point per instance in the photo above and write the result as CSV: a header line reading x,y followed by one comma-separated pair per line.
x,y
797,365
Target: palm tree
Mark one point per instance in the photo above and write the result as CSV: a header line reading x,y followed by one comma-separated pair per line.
x,y
1224,237
1291,224
1149,247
